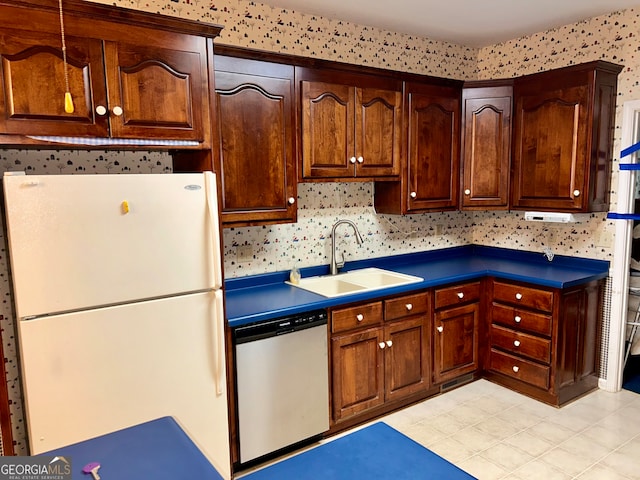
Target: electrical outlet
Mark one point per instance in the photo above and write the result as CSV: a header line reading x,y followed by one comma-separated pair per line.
x,y
604,239
244,253
439,229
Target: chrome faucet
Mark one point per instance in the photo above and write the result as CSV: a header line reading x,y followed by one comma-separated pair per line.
x,y
333,268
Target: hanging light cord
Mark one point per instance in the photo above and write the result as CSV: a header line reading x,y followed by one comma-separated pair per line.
x,y
68,101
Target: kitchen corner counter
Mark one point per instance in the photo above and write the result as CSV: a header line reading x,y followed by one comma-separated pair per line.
x,y
267,296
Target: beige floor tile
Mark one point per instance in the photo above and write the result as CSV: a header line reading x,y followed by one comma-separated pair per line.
x,y
623,463
584,445
475,439
446,423
506,456
552,432
539,470
568,462
529,443
611,439
519,418
498,427
424,434
452,450
468,414
600,472
482,469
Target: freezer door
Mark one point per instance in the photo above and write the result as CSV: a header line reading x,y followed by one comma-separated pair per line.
x,y
79,241
93,372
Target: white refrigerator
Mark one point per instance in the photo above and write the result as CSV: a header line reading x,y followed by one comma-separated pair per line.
x,y
117,284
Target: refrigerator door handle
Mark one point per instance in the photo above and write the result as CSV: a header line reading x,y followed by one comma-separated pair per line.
x,y
218,341
212,209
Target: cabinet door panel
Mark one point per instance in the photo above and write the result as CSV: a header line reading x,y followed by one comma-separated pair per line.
x,y
33,85
378,135
551,149
357,373
256,147
486,150
455,342
406,360
328,129
433,162
161,91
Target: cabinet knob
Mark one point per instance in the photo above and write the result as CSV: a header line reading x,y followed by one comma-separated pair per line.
x,y
576,193
440,329
409,306
359,317
518,296
352,160
516,343
291,200
389,343
381,345
461,295
117,111
360,159
467,192
516,368
517,319
101,110
413,194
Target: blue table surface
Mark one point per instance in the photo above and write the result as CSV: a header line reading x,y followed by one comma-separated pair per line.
x,y
158,450
266,296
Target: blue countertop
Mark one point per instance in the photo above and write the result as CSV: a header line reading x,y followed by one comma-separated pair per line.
x,y
266,296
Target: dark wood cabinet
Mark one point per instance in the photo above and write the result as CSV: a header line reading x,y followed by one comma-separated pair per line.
x,y
350,125
379,354
563,134
432,137
486,145
254,118
456,331
545,342
131,74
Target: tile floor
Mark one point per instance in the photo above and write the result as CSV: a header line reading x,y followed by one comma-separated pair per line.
x,y
494,433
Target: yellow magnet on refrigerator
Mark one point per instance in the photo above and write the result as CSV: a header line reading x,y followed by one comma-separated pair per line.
x,y
125,207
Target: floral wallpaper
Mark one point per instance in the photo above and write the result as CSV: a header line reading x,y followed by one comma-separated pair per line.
x,y
612,37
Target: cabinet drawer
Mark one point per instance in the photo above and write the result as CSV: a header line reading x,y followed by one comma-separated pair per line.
x,y
344,319
526,296
521,319
457,294
520,368
520,343
405,306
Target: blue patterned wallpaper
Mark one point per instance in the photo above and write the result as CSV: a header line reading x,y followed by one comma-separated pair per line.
x,y
612,37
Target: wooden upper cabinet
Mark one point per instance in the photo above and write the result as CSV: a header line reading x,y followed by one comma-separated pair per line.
x,y
33,84
486,145
431,176
160,90
350,125
256,144
563,131
131,74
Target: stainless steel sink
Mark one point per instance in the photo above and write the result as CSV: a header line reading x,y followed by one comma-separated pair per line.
x,y
355,281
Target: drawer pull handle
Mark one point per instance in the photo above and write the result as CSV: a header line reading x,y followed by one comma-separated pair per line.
x,y
409,306
359,317
413,194
291,200
389,343
516,343
117,111
460,295
576,193
517,319
515,368
360,159
518,296
440,329
381,345
467,192
101,110
352,160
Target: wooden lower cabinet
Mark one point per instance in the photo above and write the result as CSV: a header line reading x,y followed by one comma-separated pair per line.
x,y
379,354
544,342
456,331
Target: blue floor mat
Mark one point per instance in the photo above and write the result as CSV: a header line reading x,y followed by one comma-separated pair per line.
x,y
376,452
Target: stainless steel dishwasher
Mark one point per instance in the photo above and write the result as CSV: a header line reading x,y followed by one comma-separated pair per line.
x,y
282,383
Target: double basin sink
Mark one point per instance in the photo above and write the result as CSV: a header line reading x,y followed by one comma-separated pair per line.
x,y
354,281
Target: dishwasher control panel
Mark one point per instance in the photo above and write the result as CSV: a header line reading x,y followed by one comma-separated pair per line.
x,y
279,326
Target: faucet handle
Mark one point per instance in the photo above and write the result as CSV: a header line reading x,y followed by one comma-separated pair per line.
x,y
340,263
